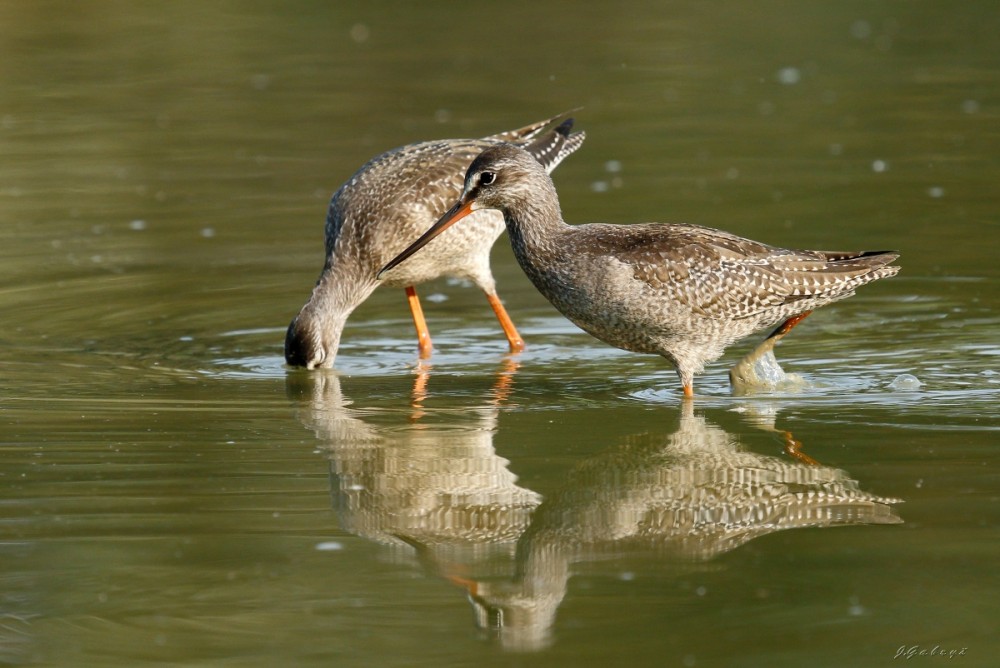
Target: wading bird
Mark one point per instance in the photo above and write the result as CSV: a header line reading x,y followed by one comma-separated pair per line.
x,y
389,201
681,291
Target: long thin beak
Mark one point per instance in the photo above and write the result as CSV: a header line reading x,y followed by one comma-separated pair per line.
x,y
455,214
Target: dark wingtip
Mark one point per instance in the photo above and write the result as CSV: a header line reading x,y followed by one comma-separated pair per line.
x,y
884,257
552,147
881,252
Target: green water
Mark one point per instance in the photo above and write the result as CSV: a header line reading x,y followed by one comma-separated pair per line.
x,y
173,495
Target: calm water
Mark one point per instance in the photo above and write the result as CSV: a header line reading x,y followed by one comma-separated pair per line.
x,y
172,495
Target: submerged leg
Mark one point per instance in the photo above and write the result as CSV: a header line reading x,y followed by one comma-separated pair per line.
x,y
423,336
513,338
745,372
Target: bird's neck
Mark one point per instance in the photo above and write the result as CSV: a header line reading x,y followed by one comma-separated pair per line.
x,y
535,225
336,294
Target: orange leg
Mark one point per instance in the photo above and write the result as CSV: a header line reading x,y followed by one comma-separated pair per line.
x,y
513,338
423,336
786,326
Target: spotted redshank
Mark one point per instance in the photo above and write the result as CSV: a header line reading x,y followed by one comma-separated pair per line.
x,y
681,291
388,202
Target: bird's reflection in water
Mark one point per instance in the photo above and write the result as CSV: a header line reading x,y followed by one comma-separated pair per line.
x,y
690,495
440,488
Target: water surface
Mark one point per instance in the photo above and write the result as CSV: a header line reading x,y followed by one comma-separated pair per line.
x,y
172,494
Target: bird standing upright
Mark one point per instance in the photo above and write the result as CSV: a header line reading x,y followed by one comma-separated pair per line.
x,y
390,200
681,291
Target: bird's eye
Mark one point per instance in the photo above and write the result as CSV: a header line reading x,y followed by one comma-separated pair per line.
x,y
486,178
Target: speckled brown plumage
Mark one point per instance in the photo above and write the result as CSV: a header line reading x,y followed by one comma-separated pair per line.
x,y
681,291
387,203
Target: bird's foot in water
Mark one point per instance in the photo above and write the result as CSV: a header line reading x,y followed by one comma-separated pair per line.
x,y
760,370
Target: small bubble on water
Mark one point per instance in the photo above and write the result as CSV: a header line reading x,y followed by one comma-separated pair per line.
x,y
861,29
905,381
789,75
330,546
936,192
880,166
360,32
599,186
855,609
437,298
970,106
137,225
208,232
613,166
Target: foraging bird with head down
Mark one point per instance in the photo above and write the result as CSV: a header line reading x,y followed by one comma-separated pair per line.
x,y
389,201
681,291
